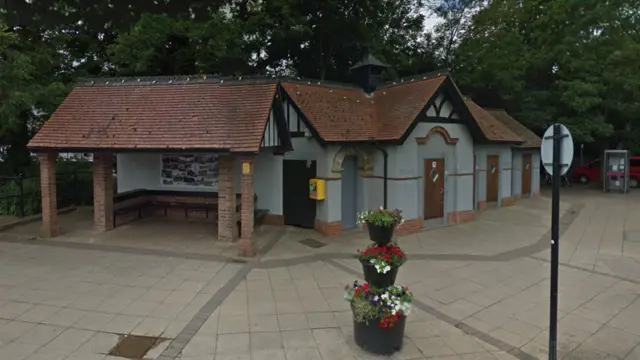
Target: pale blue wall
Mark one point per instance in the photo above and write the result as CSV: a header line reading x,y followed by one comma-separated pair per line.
x,y
535,166
268,182
516,172
372,194
142,171
504,153
408,161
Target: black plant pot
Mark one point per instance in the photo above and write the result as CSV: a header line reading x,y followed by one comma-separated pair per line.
x,y
378,280
380,235
372,338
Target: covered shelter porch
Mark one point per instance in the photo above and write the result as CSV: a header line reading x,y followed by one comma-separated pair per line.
x,y
154,234
199,139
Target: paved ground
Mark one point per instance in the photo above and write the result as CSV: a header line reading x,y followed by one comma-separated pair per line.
x,y
482,291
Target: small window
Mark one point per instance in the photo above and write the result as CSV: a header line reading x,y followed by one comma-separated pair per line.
x,y
594,164
634,162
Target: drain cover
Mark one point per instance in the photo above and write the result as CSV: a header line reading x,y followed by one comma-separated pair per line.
x,y
313,243
134,346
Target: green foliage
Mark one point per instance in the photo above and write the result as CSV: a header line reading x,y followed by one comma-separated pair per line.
x,y
545,61
383,305
74,182
574,62
381,217
222,48
155,45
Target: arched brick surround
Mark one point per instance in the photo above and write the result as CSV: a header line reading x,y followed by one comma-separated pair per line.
x,y
438,130
365,165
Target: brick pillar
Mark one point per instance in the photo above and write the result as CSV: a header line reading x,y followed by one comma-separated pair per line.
x,y
245,244
50,227
103,191
226,198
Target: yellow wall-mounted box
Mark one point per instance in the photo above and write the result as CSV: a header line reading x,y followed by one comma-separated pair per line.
x,y
317,189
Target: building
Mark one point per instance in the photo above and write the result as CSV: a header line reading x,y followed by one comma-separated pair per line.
x,y
414,144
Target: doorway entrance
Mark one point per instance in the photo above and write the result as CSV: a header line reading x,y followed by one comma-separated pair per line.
x,y
526,174
349,188
433,188
493,177
297,207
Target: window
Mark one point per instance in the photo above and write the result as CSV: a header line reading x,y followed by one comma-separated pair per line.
x,y
594,164
634,162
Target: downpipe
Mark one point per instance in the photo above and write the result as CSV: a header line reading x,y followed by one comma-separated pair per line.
x,y
385,171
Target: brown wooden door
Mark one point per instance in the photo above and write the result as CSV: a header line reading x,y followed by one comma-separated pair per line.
x,y
526,174
433,188
493,176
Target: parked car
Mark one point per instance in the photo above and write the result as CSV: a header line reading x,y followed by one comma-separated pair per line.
x,y
591,171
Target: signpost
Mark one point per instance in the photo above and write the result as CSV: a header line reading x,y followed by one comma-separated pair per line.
x,y
557,154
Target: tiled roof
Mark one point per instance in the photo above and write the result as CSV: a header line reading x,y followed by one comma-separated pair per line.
x,y
531,140
336,113
200,115
396,107
348,114
492,128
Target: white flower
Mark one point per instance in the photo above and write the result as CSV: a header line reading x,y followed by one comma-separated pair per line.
x,y
405,307
385,296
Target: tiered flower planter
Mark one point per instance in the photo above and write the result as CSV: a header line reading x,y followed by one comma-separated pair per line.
x,y
383,341
381,234
376,279
379,306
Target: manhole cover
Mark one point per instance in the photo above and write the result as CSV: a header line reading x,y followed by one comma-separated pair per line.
x,y
313,243
134,346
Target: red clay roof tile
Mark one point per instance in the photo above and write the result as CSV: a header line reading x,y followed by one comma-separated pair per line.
x,y
396,107
348,114
168,116
233,116
531,140
493,129
336,113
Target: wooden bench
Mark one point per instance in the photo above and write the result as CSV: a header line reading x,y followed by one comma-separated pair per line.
x,y
185,206
133,200
140,200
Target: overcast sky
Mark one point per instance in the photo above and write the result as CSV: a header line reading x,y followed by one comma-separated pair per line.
x,y
430,22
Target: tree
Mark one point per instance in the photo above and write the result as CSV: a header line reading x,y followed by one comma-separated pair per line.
x,y
155,45
456,18
322,39
555,61
29,91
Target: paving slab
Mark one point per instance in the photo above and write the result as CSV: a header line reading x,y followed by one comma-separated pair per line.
x,y
481,291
